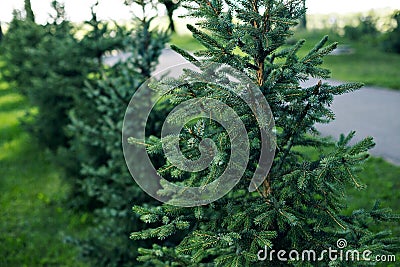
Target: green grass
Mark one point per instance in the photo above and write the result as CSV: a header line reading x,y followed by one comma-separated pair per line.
x,y
383,184
33,221
186,42
368,64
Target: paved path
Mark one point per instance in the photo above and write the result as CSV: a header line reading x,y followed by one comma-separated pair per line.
x,y
369,111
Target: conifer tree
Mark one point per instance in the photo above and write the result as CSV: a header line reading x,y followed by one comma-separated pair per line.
x,y
28,10
22,37
49,64
103,180
100,38
300,204
57,73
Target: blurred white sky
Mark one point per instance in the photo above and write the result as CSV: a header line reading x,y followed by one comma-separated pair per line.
x,y
79,10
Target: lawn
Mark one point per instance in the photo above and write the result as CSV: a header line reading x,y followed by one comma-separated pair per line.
x,y
367,64
34,221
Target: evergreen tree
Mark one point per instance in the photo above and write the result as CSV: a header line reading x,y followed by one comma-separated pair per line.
x,y
49,65
28,11
391,42
22,37
103,182
58,73
100,38
301,201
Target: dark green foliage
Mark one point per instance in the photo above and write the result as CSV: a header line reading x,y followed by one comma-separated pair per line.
x,y
60,71
303,19
301,203
391,42
28,11
103,183
99,40
365,30
49,65
22,37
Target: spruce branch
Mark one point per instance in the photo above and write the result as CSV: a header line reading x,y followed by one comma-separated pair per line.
x,y
287,138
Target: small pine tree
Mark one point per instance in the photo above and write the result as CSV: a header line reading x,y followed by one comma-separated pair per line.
x,y
300,204
22,37
49,65
58,73
103,180
100,38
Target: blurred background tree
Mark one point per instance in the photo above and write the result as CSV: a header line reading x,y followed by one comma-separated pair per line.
x,y
392,38
103,183
28,11
171,6
303,19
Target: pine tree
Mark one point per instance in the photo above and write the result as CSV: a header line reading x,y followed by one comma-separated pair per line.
x,y
22,37
100,38
103,183
49,64
301,201
58,72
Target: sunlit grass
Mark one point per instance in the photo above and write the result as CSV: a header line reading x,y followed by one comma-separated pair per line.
x,y
367,64
186,42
